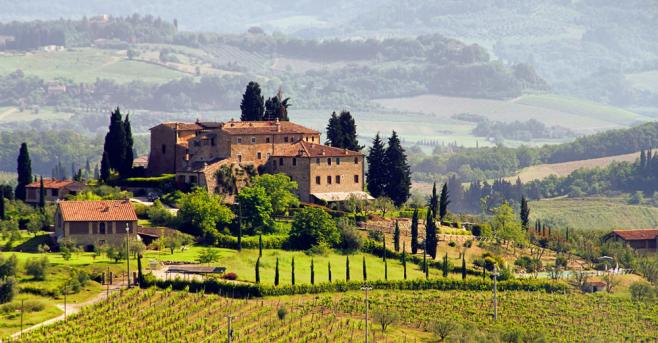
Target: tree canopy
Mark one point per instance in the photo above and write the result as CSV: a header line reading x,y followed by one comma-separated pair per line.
x,y
200,214
312,226
253,103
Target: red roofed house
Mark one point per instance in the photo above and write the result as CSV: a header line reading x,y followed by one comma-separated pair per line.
x,y
54,189
196,152
643,239
94,222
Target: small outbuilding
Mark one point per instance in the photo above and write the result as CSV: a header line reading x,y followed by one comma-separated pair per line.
x,y
642,239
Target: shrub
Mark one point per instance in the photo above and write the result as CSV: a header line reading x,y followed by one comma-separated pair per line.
x,y
37,267
312,226
641,291
7,290
350,239
160,215
281,313
251,242
161,182
230,276
141,210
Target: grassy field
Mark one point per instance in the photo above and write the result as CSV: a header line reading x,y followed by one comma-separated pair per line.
x,y
550,109
594,214
529,316
542,171
86,65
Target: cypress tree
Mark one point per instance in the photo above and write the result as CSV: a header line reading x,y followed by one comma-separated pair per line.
x,y
105,167
414,232
334,133
312,272
365,272
276,273
463,266
292,277
258,270
97,172
42,194
376,176
396,237
88,168
260,245
385,267
398,174
404,260
140,275
566,235
643,160
347,268
24,170
430,234
433,202
425,269
277,107
116,142
2,204
329,270
444,202
525,213
348,132
384,247
445,265
252,105
127,164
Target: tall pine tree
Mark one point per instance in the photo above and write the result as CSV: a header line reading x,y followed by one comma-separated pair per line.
x,y
42,194
24,170
127,164
414,232
116,142
430,234
348,132
253,103
334,132
398,174
2,204
433,202
105,167
277,107
376,177
525,213
444,201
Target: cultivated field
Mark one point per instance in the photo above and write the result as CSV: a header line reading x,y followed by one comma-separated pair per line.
x,y
549,109
542,171
166,316
594,214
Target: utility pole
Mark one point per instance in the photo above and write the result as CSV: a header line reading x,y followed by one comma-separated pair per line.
x,y
230,330
128,251
366,288
495,293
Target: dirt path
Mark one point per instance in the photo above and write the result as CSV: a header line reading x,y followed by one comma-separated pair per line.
x,y
72,308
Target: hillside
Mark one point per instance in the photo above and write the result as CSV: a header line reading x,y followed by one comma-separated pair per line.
x,y
593,214
542,171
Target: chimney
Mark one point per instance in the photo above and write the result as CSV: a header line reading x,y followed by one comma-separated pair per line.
x,y
345,151
278,125
322,152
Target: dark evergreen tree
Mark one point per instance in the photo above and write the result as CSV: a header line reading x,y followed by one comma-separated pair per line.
x,y
525,213
97,172
433,202
396,237
365,272
253,103
276,272
425,269
404,260
414,232
292,276
329,270
24,170
42,194
127,164
347,268
277,107
348,132
463,266
398,174
376,177
260,245
312,272
334,133
258,270
444,201
385,265
430,234
116,142
105,168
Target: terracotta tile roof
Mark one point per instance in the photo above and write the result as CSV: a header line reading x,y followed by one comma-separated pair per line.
x,y
264,127
636,235
181,126
306,149
104,210
52,184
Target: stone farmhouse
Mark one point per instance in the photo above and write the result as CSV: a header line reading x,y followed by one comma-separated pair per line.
x,y
640,239
54,190
199,152
94,223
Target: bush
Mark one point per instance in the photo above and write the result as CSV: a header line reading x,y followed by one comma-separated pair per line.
x,y
641,292
141,210
230,276
251,242
7,290
162,182
312,226
160,215
37,267
350,239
